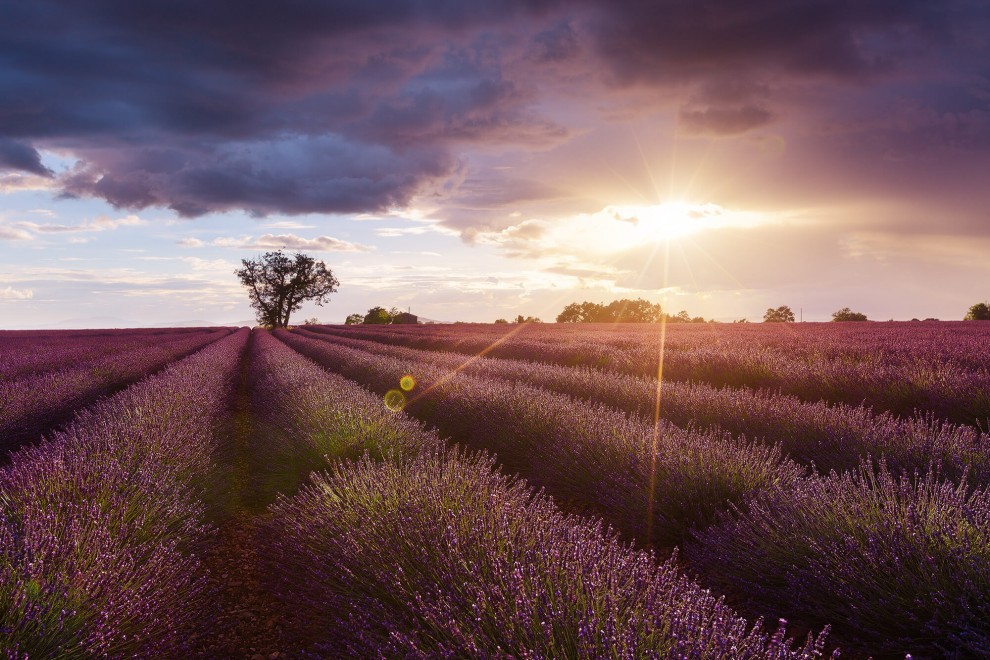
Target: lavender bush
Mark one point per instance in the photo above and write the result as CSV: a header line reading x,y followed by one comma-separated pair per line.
x,y
439,556
305,415
34,352
34,404
101,525
652,482
899,564
832,437
953,383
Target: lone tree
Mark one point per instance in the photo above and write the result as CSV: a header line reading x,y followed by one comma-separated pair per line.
x,y
846,314
782,314
378,316
978,312
278,285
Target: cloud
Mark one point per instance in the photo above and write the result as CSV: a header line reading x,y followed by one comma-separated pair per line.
x,y
724,121
317,108
292,175
14,234
291,242
648,40
10,293
18,181
189,242
19,156
101,223
362,108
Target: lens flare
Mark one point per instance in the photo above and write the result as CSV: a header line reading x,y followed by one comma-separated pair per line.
x,y
395,400
407,382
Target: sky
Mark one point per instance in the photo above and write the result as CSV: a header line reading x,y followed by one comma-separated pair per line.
x,y
475,159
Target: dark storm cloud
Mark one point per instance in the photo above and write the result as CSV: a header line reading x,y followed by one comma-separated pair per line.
x,y
19,156
665,39
733,59
290,175
344,106
291,107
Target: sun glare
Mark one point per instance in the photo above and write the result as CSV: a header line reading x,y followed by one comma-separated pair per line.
x,y
667,221
620,227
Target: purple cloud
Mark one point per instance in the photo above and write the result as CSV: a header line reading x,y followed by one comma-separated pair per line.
x,y
304,107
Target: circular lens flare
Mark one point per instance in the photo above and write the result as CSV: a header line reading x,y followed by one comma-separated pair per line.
x,y
407,382
395,400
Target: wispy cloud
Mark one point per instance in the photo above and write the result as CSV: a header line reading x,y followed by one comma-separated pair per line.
x,y
287,224
21,181
291,242
190,243
100,223
13,234
10,293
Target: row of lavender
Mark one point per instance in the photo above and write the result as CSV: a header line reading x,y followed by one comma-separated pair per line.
x,y
33,352
909,380
66,377
830,437
960,343
898,563
417,551
102,525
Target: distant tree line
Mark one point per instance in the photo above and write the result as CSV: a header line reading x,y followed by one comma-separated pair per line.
x,y
978,312
785,314
377,316
622,311
521,319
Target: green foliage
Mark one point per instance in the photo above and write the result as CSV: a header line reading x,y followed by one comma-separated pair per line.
x,y
527,319
500,321
617,311
846,314
782,314
277,285
354,319
978,312
377,316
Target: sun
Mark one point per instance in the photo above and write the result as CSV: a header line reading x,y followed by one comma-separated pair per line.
x,y
622,226
668,221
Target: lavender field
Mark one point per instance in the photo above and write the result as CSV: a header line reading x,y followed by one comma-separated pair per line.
x,y
525,491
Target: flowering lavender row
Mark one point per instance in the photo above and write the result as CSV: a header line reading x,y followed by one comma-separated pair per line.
x,y
305,415
902,386
899,564
440,556
833,437
963,344
891,568
652,482
101,525
32,405
25,353
516,577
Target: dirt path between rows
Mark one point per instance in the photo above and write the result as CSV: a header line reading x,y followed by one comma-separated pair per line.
x,y
249,621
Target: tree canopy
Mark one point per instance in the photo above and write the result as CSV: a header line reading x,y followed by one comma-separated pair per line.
x,y
978,312
846,314
782,314
379,316
617,311
277,285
